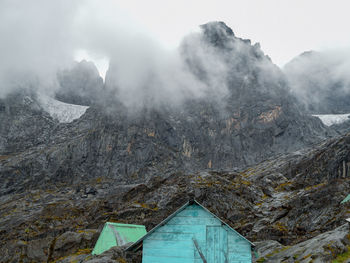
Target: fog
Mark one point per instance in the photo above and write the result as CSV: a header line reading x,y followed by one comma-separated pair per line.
x,y
40,38
36,40
321,80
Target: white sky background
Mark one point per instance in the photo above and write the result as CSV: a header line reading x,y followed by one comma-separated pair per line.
x,y
284,28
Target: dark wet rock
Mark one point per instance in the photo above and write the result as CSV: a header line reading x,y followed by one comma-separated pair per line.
x,y
322,248
268,247
37,250
23,123
117,254
113,255
69,242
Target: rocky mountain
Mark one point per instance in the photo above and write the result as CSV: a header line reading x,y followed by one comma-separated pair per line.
x,y
247,145
256,119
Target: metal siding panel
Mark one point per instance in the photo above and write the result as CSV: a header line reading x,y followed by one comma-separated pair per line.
x,y
216,244
170,252
188,220
210,246
223,245
234,258
167,251
181,229
172,241
172,236
239,249
160,244
149,259
195,211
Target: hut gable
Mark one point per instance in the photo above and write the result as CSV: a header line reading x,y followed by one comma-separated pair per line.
x,y
193,234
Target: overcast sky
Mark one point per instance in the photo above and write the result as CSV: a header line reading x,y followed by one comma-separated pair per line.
x,y
284,28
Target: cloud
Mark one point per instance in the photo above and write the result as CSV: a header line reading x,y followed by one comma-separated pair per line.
x,y
144,74
36,40
320,80
42,37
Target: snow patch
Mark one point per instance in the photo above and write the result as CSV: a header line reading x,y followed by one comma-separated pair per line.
x,y
330,119
63,112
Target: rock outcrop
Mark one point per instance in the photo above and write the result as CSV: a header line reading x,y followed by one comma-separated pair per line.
x,y
322,248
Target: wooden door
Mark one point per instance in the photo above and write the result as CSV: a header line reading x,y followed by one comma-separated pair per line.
x,y
216,244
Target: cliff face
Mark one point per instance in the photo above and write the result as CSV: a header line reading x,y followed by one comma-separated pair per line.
x,y
115,163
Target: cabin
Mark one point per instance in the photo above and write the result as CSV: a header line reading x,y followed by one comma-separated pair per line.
x,y
193,234
116,234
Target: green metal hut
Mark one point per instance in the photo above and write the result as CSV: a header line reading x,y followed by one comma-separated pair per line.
x,y
116,234
346,199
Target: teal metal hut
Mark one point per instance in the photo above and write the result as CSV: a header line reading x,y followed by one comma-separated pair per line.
x,y
193,234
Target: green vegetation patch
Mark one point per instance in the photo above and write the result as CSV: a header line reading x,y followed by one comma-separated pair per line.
x,y
342,257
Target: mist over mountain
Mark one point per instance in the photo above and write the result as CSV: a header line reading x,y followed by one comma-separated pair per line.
x,y
240,113
320,81
214,119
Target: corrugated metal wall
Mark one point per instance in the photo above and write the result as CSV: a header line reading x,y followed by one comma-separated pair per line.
x,y
174,242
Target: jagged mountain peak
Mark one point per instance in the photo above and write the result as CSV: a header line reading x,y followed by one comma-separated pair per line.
x,y
218,33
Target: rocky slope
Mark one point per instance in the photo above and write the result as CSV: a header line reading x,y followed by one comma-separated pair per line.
x,y
288,199
59,182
